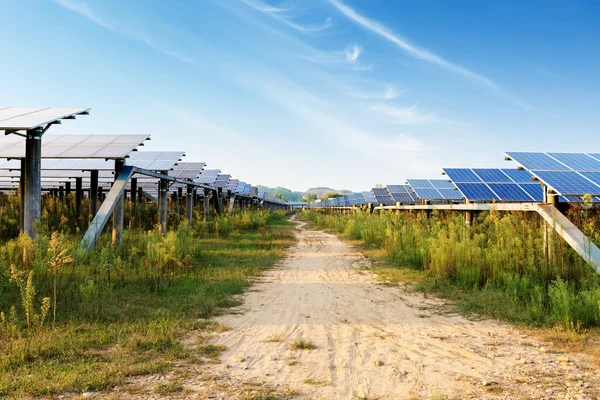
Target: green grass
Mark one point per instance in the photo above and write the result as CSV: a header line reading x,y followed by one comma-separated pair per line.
x,y
122,312
496,267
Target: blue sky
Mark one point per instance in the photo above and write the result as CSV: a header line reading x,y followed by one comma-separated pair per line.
x,y
339,93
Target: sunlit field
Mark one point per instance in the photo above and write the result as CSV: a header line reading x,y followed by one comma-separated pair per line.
x,y
73,321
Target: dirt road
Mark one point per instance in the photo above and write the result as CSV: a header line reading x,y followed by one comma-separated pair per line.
x,y
374,341
371,342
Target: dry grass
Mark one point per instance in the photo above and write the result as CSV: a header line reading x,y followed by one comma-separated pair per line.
x,y
586,341
302,344
320,382
168,388
275,339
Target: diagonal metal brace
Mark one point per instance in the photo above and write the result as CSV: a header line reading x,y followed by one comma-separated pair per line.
x,y
105,211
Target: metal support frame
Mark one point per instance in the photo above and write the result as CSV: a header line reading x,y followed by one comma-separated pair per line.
x,y
103,215
134,196
163,204
207,205
67,193
179,200
33,182
78,197
93,192
231,202
189,200
22,196
119,207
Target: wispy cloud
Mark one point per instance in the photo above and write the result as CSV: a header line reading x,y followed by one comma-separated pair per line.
x,y
352,54
389,93
279,14
83,9
310,108
348,58
404,115
420,53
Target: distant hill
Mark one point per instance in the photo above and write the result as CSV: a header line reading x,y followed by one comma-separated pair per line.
x,y
282,193
290,195
322,191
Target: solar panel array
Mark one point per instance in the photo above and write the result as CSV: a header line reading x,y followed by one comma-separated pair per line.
x,y
493,184
154,160
382,196
222,181
568,174
402,194
22,118
75,146
435,189
208,176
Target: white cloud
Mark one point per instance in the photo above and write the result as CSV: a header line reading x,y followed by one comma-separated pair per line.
x,y
279,14
83,9
420,53
404,115
352,53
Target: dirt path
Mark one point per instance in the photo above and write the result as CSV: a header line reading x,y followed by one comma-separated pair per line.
x,y
372,342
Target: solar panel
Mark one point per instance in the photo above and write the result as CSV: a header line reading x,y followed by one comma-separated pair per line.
x,y
461,175
75,146
360,200
420,183
568,183
18,118
534,190
232,184
450,194
208,176
509,192
490,175
577,161
64,164
382,196
592,176
369,198
187,170
518,175
402,197
442,184
537,161
154,160
476,191
398,188
424,193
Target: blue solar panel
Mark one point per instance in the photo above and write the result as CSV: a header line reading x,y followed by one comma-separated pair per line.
x,y
442,184
450,194
360,200
420,183
592,176
397,188
595,155
403,197
476,191
461,175
568,183
369,198
537,161
379,191
577,161
519,175
534,190
509,192
492,175
428,194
